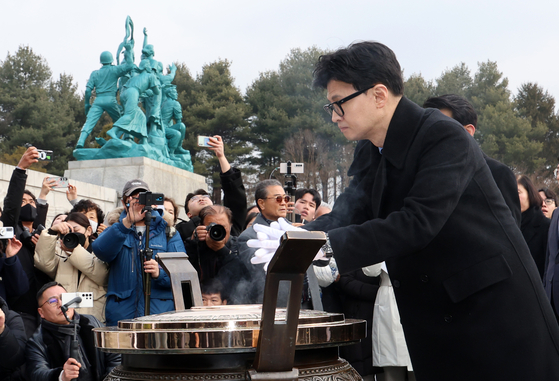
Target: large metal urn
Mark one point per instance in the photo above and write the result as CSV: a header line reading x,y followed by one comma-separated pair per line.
x,y
256,342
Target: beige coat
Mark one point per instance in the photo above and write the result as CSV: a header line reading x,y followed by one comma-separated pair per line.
x,y
63,267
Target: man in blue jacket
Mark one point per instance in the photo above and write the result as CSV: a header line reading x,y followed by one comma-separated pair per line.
x,y
120,246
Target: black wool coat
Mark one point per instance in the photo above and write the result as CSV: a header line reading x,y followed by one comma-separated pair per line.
x,y
535,227
469,294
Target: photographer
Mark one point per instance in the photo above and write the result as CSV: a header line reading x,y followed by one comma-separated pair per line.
x,y
75,267
214,254
48,351
120,246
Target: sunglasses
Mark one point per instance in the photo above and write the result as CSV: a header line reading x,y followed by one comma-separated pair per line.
x,y
279,199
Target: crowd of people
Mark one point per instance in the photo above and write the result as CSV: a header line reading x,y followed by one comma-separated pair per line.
x,y
387,235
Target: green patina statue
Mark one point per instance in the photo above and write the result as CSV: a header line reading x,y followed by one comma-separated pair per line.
x,y
158,134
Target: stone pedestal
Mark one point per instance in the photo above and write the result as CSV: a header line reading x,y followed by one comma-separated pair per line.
x,y
114,173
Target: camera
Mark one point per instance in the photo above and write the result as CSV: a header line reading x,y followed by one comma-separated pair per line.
x,y
216,232
72,240
149,198
26,235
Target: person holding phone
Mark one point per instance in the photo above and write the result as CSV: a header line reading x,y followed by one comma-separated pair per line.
x,y
48,351
120,246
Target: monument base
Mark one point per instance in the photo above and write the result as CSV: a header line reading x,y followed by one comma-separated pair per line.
x,y
114,173
117,149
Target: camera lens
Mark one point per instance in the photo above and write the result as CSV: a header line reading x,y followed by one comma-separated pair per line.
x,y
72,240
216,232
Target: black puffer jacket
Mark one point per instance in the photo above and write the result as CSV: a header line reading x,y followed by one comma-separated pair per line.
x,y
45,362
12,343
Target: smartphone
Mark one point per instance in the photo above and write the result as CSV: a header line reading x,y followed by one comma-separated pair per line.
x,y
203,141
6,232
44,155
61,182
87,299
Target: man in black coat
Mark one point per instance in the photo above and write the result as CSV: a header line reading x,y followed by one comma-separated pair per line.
x,y
458,108
423,199
48,351
216,257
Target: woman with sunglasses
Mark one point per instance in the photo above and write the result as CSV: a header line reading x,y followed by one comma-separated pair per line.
x,y
76,268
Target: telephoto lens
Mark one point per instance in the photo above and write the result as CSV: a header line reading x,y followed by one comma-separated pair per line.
x,y
72,240
216,232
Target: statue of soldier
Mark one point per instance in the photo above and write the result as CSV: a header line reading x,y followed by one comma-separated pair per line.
x,y
152,103
104,81
133,121
171,110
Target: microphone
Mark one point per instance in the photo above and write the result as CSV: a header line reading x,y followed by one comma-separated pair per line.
x,y
77,300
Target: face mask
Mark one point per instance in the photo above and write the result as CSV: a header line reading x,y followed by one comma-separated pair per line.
x,y
93,225
28,213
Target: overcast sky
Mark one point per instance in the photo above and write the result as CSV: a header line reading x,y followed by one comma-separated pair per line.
x,y
427,36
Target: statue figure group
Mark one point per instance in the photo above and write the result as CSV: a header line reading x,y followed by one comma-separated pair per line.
x,y
159,132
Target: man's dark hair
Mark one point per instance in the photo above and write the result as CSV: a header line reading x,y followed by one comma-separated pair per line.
x,y
212,210
197,192
315,195
85,205
549,194
261,191
462,110
534,197
213,286
45,287
362,64
27,192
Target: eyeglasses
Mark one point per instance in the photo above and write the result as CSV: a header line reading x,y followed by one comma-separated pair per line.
x,y
337,106
279,199
199,197
549,201
52,301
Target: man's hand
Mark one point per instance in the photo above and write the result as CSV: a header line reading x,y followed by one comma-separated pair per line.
x,y
14,245
46,187
133,212
152,267
71,193
2,321
71,369
29,157
201,232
